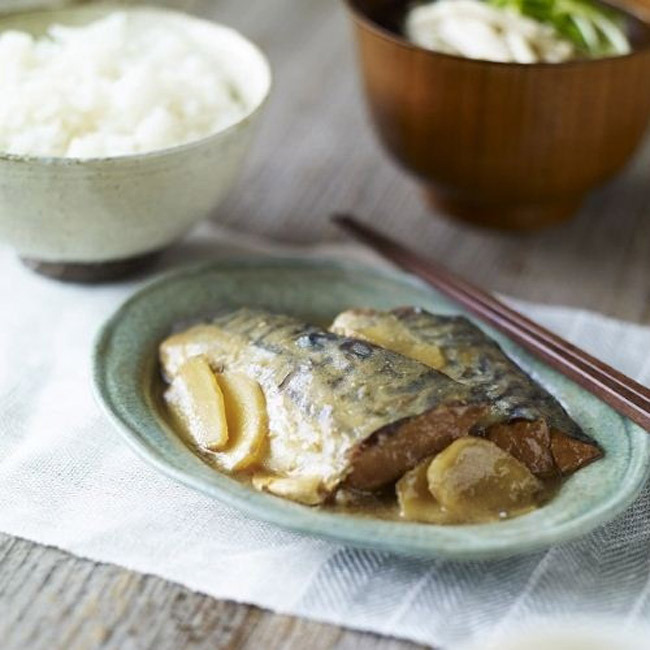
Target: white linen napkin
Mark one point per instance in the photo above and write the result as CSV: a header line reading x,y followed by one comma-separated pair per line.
x,y
68,480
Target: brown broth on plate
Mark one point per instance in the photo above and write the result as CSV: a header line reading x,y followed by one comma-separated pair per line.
x,y
380,505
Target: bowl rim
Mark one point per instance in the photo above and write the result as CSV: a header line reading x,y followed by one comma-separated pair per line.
x,y
73,161
401,41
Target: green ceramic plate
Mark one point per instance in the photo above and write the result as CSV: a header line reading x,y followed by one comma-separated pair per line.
x,y
125,375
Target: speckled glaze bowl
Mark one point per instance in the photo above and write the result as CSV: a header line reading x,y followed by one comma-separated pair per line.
x,y
91,219
126,376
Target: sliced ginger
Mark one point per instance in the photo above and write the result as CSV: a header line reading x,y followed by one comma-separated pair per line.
x,y
416,503
224,414
387,331
303,489
475,480
247,422
197,404
471,481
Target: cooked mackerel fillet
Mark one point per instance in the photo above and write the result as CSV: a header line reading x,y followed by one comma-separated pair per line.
x,y
539,432
339,409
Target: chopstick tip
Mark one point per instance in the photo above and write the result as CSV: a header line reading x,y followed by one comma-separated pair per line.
x,y
343,219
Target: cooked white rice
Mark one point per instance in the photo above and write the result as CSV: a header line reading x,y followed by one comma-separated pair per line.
x,y
124,84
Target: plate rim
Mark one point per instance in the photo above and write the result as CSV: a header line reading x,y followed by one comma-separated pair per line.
x,y
283,514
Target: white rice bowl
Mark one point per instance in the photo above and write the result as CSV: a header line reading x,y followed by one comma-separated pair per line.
x,y
79,190
123,84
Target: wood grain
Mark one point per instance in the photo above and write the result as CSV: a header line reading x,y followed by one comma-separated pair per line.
x,y
50,600
316,154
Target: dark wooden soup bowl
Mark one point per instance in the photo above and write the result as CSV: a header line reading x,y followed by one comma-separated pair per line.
x,y
501,144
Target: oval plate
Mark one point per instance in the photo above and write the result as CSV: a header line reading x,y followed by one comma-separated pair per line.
x,y
126,370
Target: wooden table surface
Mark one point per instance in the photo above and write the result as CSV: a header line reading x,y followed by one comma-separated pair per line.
x,y
316,154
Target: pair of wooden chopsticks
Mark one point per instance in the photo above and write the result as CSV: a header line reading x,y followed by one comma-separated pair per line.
x,y
623,394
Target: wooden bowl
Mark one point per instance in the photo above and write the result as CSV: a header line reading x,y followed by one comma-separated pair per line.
x,y
502,144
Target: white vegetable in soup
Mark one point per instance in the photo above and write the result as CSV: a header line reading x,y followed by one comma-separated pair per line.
x,y
476,30
519,31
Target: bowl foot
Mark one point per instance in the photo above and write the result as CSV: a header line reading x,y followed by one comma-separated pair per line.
x,y
503,215
94,272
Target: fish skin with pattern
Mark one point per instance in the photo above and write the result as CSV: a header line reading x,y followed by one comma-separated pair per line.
x,y
535,428
339,408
